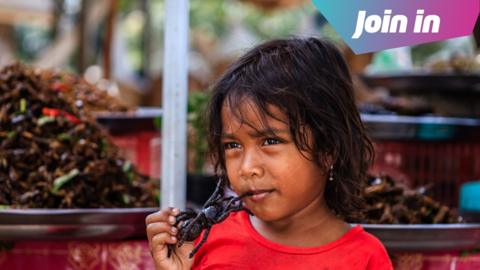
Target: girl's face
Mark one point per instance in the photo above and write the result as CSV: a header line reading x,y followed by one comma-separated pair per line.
x,y
283,180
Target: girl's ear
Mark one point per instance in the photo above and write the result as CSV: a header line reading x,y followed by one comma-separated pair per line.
x,y
327,161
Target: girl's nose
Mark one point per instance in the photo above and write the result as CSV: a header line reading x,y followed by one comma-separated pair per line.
x,y
251,165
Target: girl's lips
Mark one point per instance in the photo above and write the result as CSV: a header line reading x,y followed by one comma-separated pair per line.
x,y
258,195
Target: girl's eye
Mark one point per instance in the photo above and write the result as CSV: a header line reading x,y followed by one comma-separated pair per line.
x,y
230,145
271,141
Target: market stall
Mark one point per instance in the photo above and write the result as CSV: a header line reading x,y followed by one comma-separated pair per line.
x,y
438,153
92,238
435,153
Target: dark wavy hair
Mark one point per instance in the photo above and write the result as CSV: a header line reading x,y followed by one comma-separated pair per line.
x,y
310,82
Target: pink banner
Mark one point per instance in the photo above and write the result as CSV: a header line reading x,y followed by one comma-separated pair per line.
x,y
135,255
436,261
76,255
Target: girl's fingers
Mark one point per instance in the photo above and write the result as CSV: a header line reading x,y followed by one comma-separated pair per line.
x,y
160,227
162,215
158,245
185,250
161,239
161,233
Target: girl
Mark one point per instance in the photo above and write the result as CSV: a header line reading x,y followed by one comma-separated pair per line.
x,y
283,125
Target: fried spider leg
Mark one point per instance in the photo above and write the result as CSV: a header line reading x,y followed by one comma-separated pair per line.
x,y
183,216
195,249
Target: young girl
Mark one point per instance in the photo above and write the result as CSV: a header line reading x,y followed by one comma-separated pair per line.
x,y
283,125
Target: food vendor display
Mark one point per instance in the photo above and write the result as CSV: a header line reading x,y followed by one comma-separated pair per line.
x,y
75,88
54,155
388,202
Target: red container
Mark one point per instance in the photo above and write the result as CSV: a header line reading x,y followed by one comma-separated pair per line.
x,y
442,165
136,134
137,147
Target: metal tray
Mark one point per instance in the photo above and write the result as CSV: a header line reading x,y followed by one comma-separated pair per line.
x,y
424,128
143,119
116,224
63,224
424,81
426,237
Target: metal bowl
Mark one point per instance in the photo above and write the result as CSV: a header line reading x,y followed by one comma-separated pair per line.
x,y
427,237
123,223
49,224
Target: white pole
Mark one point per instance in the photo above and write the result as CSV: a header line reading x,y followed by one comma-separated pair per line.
x,y
175,92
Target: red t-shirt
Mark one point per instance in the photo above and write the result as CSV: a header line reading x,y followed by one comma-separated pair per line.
x,y
234,244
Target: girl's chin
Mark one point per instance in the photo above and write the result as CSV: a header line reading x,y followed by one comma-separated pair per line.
x,y
261,214
265,219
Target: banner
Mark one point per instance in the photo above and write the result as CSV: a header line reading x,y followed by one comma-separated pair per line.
x,y
374,25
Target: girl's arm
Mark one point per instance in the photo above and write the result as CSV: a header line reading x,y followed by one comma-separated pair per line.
x,y
160,232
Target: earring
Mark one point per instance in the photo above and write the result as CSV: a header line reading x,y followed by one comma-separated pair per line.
x,y
331,173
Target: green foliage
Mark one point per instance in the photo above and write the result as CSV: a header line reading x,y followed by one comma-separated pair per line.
x,y
209,16
420,53
197,103
157,122
276,24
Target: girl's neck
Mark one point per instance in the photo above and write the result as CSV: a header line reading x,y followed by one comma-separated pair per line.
x,y
312,226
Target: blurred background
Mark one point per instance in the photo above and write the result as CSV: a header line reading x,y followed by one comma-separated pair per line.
x,y
122,41
419,102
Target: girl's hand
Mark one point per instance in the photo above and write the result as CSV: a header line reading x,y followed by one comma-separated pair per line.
x,y
160,232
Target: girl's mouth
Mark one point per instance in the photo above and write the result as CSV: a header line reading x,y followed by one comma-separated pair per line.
x,y
257,195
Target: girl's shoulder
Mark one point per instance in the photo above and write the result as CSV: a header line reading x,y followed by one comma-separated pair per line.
x,y
364,238
372,248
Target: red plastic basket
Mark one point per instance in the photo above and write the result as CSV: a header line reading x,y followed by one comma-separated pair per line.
x,y
137,147
442,165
